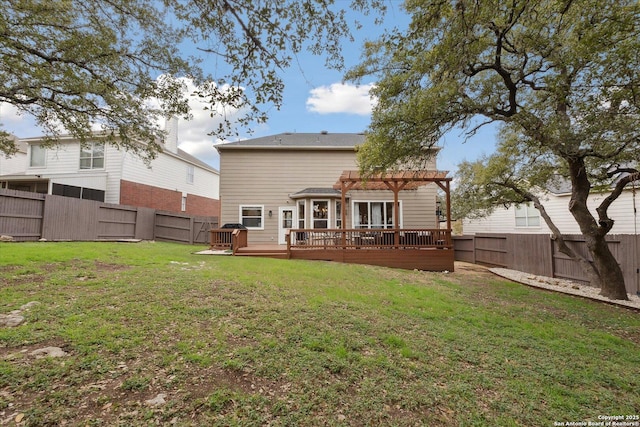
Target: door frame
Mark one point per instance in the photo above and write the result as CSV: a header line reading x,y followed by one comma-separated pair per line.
x,y
282,230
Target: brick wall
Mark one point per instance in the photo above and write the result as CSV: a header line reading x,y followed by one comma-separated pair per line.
x,y
198,205
135,194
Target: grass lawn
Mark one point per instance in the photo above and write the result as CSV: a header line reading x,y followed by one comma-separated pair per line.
x,y
251,341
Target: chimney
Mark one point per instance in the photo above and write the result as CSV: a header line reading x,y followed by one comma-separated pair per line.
x,y
171,137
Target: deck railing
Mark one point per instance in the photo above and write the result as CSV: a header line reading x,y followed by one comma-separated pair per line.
x,y
220,238
228,238
368,238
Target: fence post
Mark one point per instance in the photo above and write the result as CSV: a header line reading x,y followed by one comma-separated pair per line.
x,y
473,244
552,252
155,223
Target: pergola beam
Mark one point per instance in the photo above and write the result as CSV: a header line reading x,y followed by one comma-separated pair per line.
x,y
396,182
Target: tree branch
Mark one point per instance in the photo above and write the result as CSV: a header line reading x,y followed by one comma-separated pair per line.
x,y
604,221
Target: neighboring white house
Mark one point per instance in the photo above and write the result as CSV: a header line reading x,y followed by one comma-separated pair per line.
x,y
175,181
525,219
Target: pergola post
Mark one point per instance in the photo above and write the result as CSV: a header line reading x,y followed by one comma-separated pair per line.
x,y
447,190
344,188
396,187
395,182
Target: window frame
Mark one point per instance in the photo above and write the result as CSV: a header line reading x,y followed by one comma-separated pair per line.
x,y
191,174
43,152
91,149
251,206
301,219
327,219
528,209
386,225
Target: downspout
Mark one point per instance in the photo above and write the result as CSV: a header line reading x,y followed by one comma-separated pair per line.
x,y
343,213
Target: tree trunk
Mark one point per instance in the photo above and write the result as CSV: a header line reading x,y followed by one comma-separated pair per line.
x,y
611,279
588,267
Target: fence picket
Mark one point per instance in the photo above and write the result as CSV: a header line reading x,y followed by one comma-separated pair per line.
x,y
30,216
537,254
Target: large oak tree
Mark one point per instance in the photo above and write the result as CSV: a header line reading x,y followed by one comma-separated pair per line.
x,y
80,64
561,77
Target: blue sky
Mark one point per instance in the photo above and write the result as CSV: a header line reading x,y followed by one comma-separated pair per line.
x,y
315,100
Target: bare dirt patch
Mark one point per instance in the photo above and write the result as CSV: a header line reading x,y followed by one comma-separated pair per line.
x,y
102,266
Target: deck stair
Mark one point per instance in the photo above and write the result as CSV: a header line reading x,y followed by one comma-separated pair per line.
x,y
265,251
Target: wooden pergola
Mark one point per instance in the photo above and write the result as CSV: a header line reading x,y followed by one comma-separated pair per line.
x,y
396,182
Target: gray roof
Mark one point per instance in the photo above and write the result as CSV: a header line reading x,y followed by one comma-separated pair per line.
x,y
560,186
299,140
188,157
310,192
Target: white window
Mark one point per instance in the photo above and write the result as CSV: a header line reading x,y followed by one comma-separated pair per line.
x,y
252,216
320,212
92,156
190,174
183,205
38,156
527,216
374,214
338,214
301,216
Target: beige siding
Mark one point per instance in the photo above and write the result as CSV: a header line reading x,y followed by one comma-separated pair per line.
x,y
268,178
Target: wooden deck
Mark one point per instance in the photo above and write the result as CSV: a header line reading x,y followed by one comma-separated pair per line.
x,y
429,250
265,250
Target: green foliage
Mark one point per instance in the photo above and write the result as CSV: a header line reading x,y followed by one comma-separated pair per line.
x,y
73,64
561,79
136,383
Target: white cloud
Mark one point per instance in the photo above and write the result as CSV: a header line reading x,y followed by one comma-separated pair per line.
x,y
9,114
341,98
192,134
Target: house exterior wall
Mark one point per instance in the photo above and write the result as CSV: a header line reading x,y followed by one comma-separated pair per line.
x,y
136,194
166,177
268,177
557,206
170,172
15,163
62,166
198,205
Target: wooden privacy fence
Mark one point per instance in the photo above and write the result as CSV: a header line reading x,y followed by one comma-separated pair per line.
x,y
32,216
538,254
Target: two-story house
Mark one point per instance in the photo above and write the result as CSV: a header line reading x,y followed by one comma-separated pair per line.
x,y
288,181
174,181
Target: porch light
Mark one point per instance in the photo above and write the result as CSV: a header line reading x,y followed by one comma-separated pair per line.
x,y
270,214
